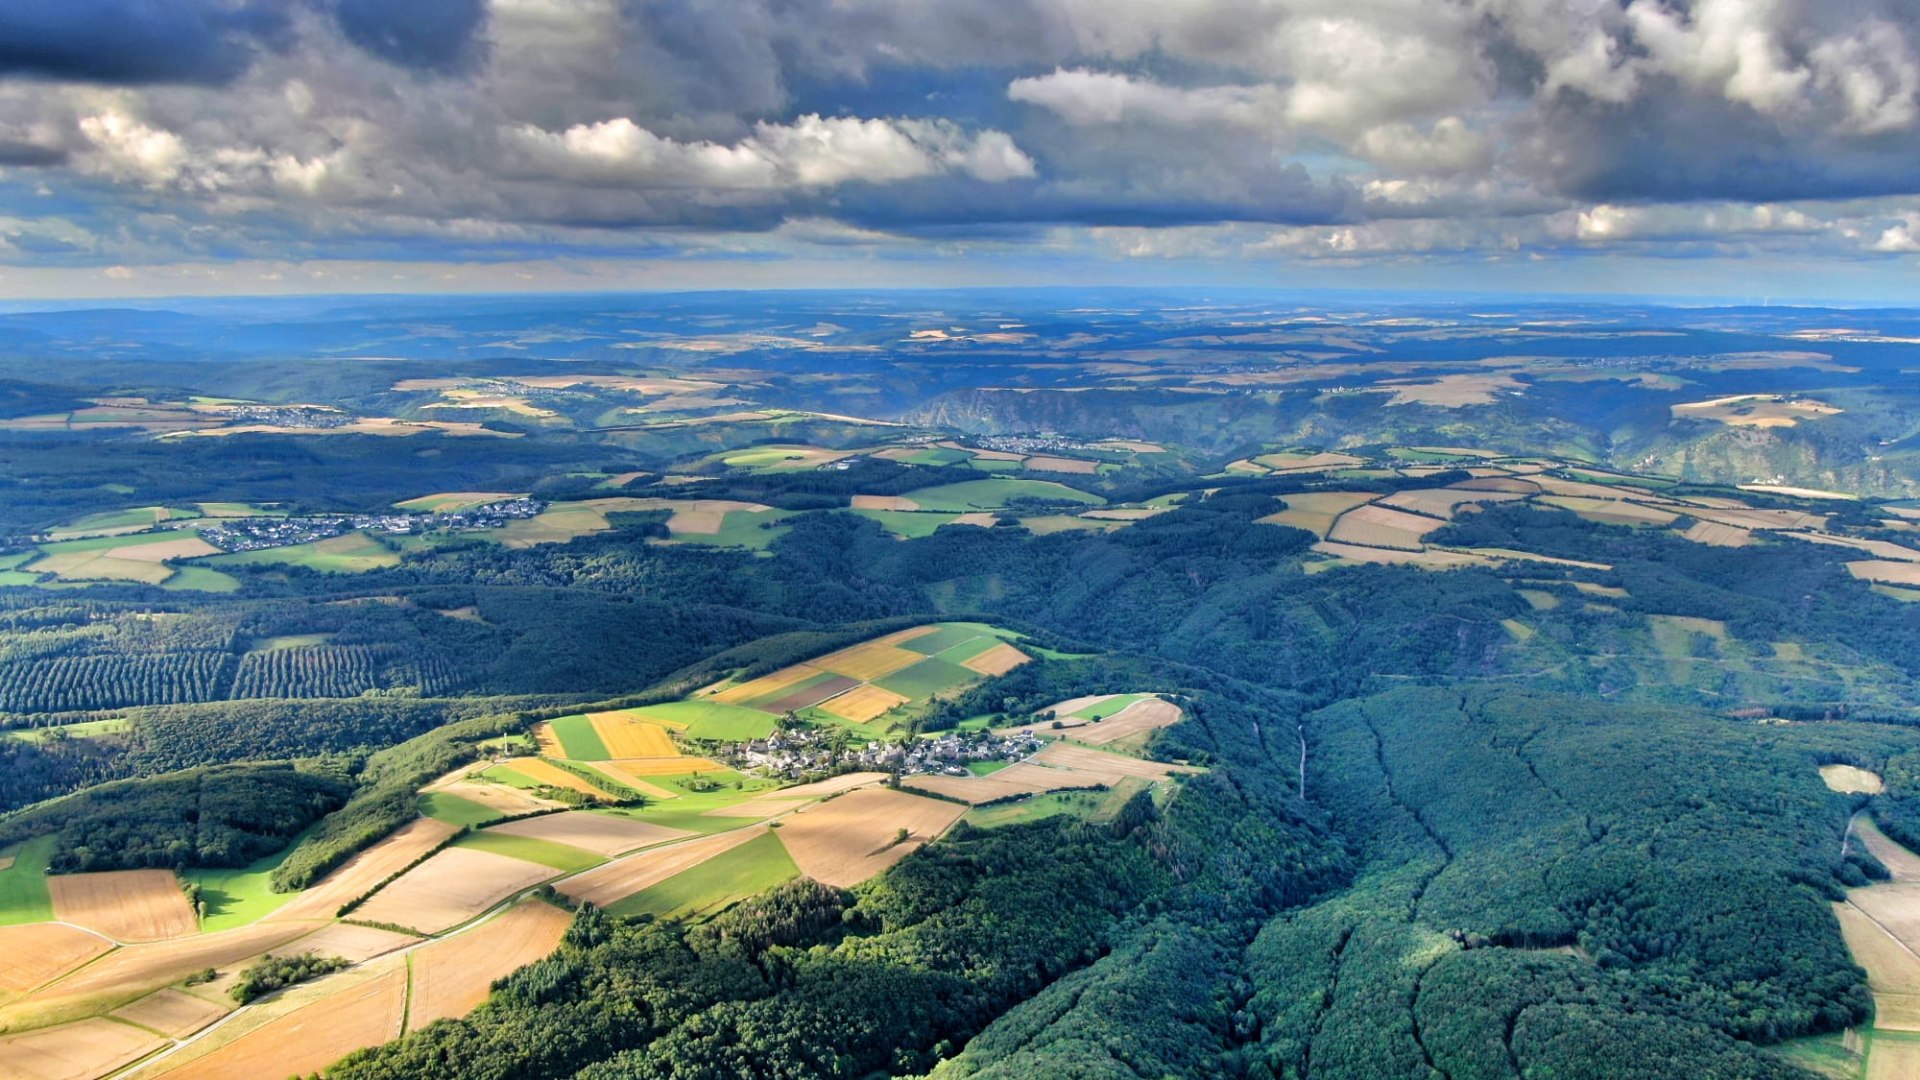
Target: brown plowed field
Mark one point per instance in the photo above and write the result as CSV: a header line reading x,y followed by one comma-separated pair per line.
x,y
883,502
126,905
845,841
602,834
1140,716
811,695
451,888
78,1051
138,970
452,975
173,1013
38,952
367,869
622,878
311,1037
1068,756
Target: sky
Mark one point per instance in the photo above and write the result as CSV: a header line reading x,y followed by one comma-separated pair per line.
x,y
1750,149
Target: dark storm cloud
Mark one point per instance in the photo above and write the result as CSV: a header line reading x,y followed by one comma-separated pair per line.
x,y
434,35
30,154
136,42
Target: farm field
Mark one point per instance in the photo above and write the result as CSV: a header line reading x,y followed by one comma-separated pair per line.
x,y
84,1049
125,905
448,502
740,871
348,553
603,834
848,839
452,975
996,493
1316,511
450,888
615,881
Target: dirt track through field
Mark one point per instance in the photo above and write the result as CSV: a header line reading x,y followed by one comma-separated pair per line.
x,y
311,1037
173,1013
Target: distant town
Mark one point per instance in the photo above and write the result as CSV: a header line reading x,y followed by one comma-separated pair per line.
x,y
254,534
792,753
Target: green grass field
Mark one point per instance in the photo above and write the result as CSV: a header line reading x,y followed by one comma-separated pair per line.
x,y
512,777
928,677
994,494
948,636
562,857
85,729
908,524
454,810
238,897
741,528
712,719
750,869
934,455
139,517
349,553
986,768
1100,710
578,738
23,886
1081,804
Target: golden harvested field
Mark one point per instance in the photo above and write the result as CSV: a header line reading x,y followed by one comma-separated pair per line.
x,y
1148,715
1893,972
358,1013
1293,462
658,766
998,660
450,888
862,703
1060,465
1749,518
771,683
547,773
1451,391
1126,513
547,741
884,502
622,878
367,869
1755,410
187,547
868,660
1068,756
137,970
1611,511
355,943
1894,1059
1879,549
1583,489
1904,865
173,1013
78,1051
1377,526
1896,907
1715,534
126,905
452,975
762,808
1442,502
38,952
1499,483
602,834
1886,573
983,518
99,566
845,841
1849,780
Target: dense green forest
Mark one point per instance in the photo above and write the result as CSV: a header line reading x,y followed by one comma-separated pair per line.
x,y
1426,844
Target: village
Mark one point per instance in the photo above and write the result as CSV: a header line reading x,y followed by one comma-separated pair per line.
x,y
796,751
253,534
